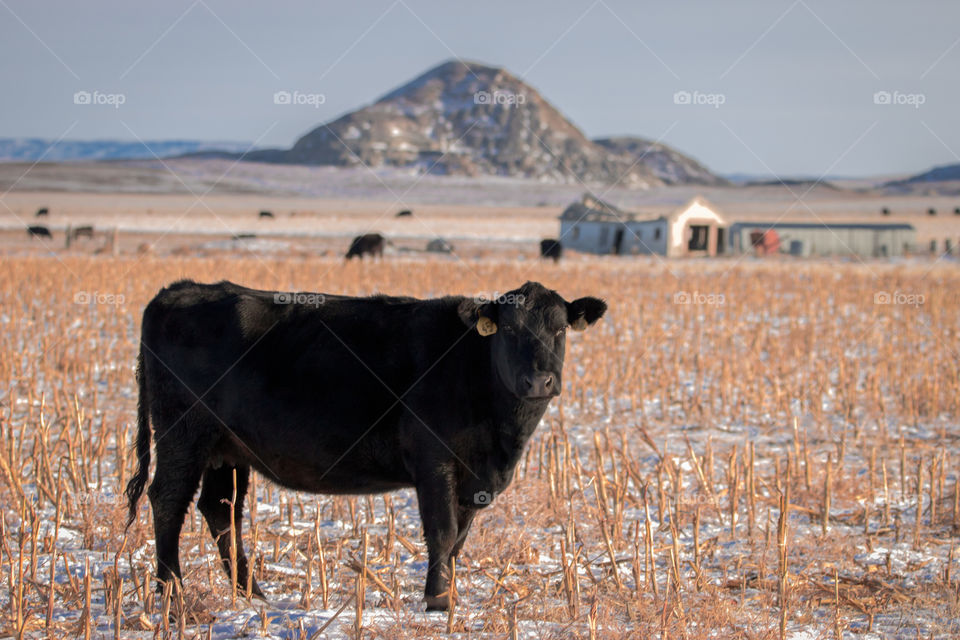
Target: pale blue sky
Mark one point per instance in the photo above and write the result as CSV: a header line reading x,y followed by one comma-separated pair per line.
x,y
797,78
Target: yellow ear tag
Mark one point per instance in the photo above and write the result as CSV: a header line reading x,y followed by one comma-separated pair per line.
x,y
486,326
580,324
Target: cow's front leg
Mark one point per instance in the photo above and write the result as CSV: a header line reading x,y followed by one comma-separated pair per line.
x,y
438,511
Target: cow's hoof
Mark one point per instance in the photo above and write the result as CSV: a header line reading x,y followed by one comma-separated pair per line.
x,y
256,592
437,603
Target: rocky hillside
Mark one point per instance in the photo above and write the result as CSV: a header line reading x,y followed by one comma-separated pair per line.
x,y
472,119
669,165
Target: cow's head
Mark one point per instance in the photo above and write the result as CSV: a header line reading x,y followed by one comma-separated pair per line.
x,y
527,330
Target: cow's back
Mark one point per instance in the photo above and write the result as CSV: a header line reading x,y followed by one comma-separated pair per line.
x,y
330,379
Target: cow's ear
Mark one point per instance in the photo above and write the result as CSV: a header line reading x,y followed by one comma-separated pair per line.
x,y
583,312
479,315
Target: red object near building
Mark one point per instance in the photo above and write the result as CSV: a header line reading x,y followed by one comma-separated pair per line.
x,y
766,242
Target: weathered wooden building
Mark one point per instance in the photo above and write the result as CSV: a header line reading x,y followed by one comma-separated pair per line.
x,y
594,226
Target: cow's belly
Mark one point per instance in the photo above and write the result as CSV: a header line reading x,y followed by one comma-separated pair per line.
x,y
347,481
320,464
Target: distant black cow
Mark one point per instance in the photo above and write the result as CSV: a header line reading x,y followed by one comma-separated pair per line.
x,y
404,213
85,231
38,231
244,236
368,244
550,248
266,214
340,395
42,212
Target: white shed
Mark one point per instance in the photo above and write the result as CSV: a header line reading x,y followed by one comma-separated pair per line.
x,y
594,226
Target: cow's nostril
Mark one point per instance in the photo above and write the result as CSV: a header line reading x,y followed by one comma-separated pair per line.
x,y
538,385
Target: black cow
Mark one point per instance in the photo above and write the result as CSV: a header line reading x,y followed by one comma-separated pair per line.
x,y
340,395
41,212
266,214
368,244
38,231
550,248
404,213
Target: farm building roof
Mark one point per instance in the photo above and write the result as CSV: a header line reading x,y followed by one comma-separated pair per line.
x,y
593,209
826,225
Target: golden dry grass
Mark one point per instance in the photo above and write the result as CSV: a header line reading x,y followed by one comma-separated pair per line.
x,y
650,501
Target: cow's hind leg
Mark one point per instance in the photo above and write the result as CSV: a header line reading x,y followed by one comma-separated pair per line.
x,y
464,520
174,484
214,504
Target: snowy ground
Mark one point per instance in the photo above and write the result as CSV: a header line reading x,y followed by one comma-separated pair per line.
x,y
662,400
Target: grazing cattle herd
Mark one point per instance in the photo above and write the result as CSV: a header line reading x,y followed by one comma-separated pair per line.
x,y
72,233
367,244
341,395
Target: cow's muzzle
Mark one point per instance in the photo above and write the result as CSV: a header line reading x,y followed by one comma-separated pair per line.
x,y
539,385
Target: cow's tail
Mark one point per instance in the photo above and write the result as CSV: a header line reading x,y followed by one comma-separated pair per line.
x,y
139,480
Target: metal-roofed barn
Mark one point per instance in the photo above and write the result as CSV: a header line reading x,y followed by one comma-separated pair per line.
x,y
827,239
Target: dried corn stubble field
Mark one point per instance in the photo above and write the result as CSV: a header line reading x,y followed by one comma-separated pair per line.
x,y
651,500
